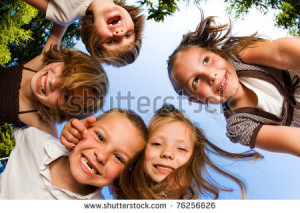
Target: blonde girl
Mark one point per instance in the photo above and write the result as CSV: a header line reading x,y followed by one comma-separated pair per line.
x,y
255,79
175,161
56,85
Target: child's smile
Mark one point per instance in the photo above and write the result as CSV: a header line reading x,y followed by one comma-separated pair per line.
x,y
170,146
205,75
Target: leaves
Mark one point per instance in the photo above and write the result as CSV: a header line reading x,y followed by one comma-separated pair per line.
x,y
288,16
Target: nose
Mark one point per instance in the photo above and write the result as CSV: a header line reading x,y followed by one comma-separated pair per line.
x,y
119,32
167,153
55,83
210,75
101,156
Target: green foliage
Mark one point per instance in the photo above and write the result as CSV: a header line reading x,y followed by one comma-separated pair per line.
x,y
40,28
14,14
288,16
24,30
158,12
7,142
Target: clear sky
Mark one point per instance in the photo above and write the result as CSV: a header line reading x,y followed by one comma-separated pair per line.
x,y
144,86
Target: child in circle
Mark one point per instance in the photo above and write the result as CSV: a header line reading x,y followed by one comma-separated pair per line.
x,y
42,168
56,85
110,30
174,163
255,79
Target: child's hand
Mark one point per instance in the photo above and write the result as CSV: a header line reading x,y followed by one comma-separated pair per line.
x,y
75,130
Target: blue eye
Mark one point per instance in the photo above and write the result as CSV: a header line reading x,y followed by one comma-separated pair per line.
x,y
128,35
195,81
206,60
100,137
119,158
110,41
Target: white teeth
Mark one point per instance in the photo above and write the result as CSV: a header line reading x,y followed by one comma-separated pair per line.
x,y
164,168
85,162
223,83
43,84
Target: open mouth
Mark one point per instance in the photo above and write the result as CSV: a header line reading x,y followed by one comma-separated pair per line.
x,y
163,168
223,84
114,20
42,83
89,166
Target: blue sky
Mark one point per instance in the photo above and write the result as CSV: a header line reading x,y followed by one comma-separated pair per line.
x,y
146,81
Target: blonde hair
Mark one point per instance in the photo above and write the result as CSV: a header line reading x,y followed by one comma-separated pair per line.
x,y
214,38
121,56
134,183
87,73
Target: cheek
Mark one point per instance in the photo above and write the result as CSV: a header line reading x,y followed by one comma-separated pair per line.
x,y
114,171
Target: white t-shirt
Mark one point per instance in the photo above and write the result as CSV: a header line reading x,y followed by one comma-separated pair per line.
x,y
65,12
269,98
27,173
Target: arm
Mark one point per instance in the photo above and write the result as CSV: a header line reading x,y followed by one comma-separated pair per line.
x,y
284,139
40,5
55,37
65,12
283,53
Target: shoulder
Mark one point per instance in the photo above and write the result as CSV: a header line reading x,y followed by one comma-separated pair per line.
x,y
31,136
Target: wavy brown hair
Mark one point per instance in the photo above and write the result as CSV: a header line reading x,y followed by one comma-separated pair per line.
x,y
214,38
80,70
135,184
121,56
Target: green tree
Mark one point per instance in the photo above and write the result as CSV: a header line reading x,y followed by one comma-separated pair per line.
x,y
24,30
288,16
7,143
163,8
14,14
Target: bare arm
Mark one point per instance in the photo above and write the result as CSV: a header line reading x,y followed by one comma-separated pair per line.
x,y
283,139
283,53
40,5
55,37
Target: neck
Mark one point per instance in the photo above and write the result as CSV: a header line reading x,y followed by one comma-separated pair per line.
x,y
26,96
243,98
62,177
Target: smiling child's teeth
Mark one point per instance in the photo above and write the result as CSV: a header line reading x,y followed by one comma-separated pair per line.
x,y
223,83
43,83
84,161
165,168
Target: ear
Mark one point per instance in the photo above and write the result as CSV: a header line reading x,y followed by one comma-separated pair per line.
x,y
195,100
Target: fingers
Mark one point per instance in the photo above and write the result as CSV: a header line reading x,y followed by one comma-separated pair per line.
x,y
89,121
66,142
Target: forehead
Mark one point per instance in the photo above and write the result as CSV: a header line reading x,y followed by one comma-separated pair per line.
x,y
178,130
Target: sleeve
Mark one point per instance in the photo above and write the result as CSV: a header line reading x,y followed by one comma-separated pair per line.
x,y
243,128
65,12
32,137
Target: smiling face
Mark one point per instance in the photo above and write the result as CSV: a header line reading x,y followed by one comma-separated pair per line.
x,y
115,27
170,145
47,88
205,75
100,156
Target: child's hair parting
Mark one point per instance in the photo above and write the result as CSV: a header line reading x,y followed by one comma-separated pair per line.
x,y
135,184
80,70
214,38
121,56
